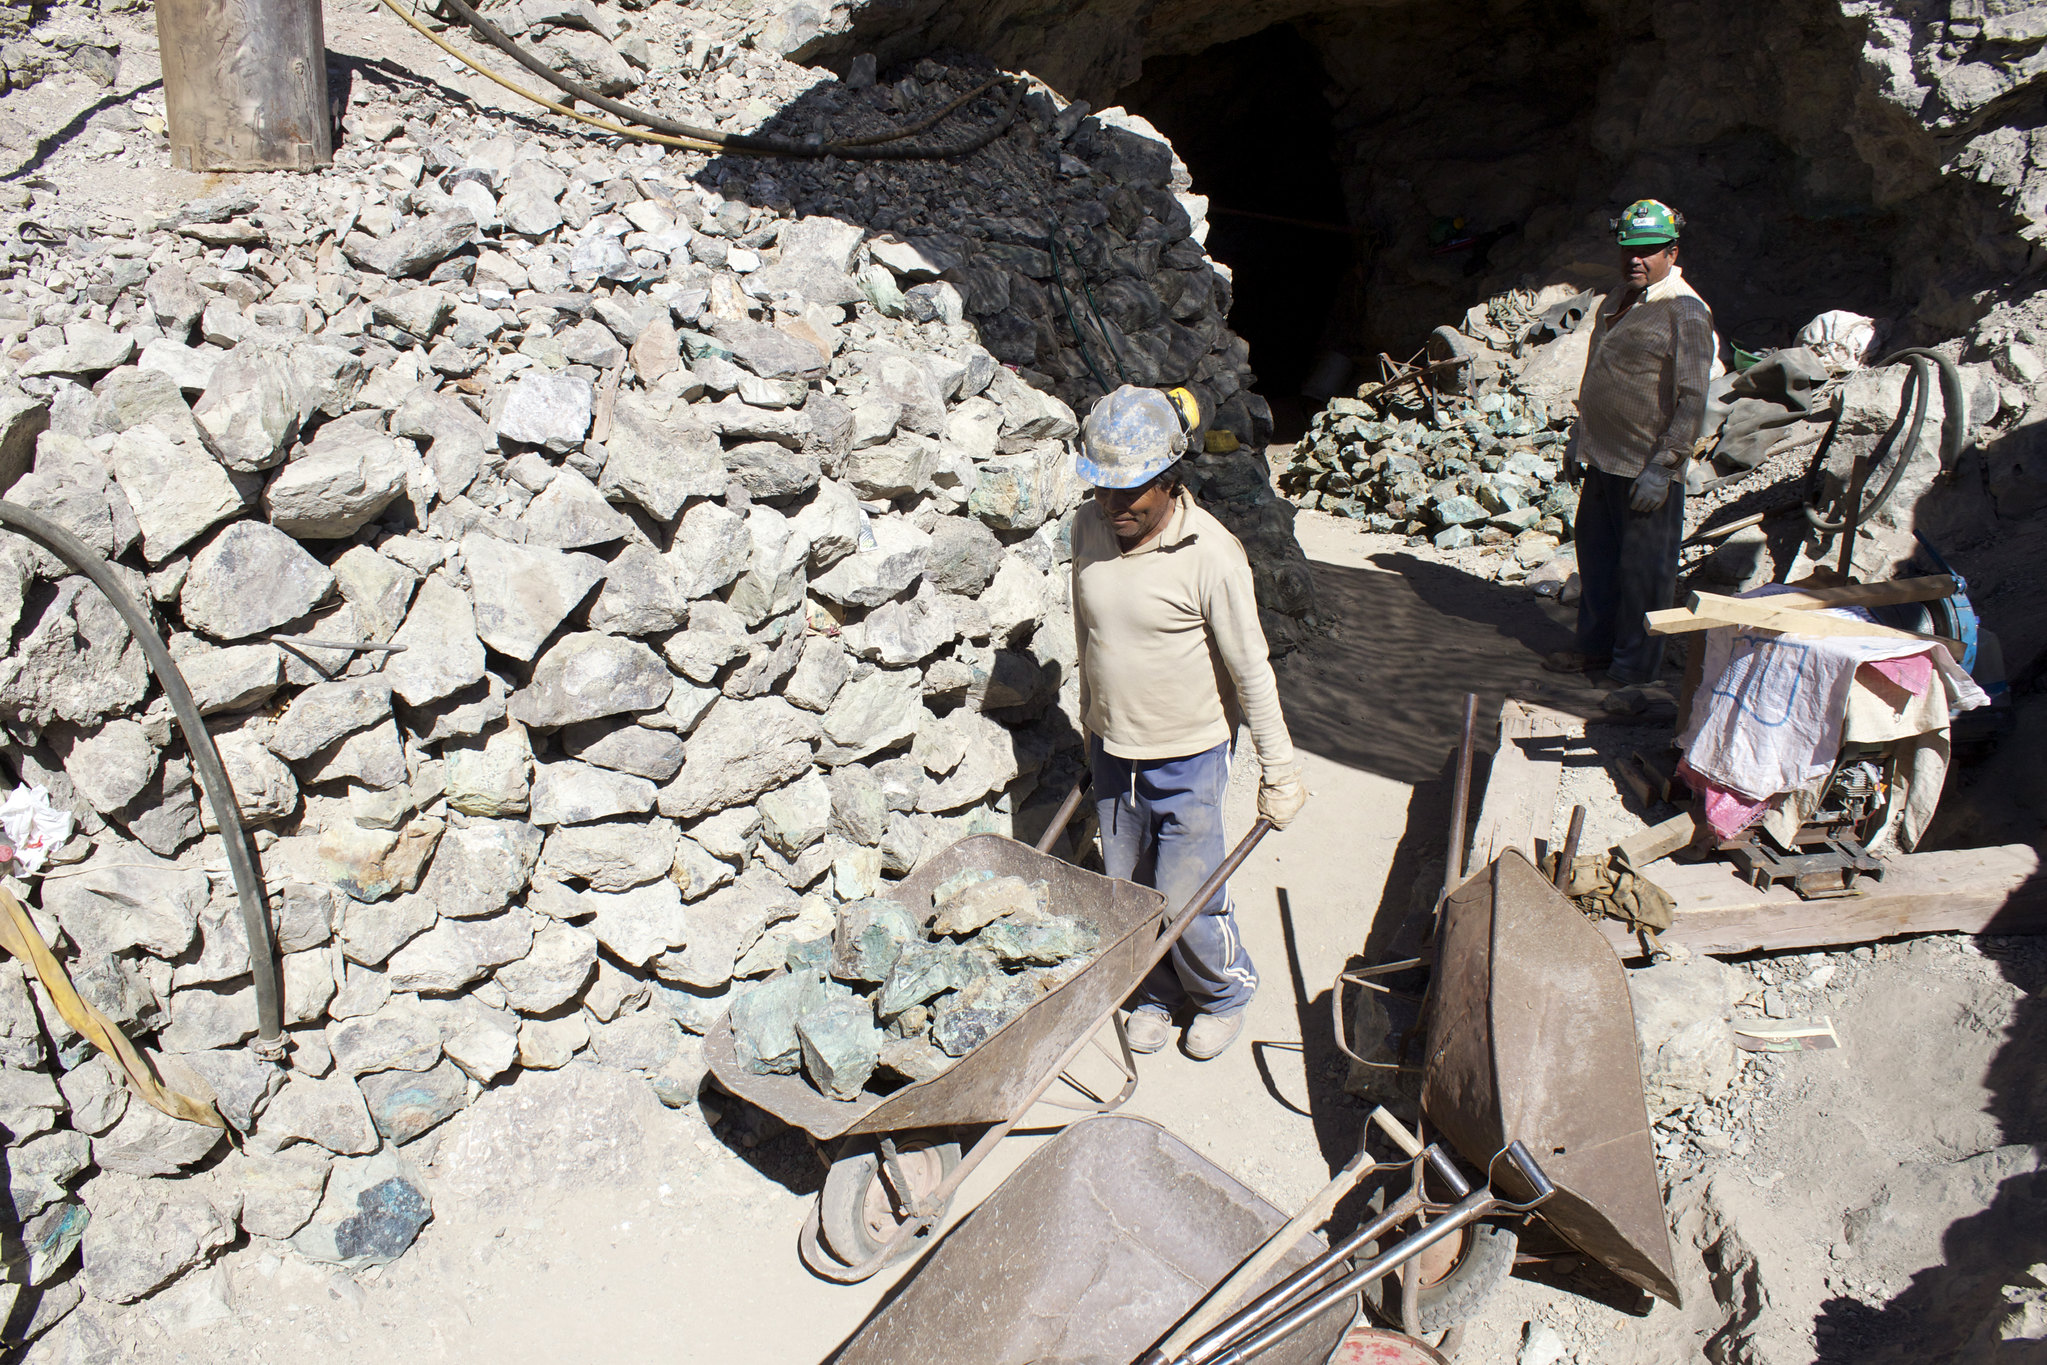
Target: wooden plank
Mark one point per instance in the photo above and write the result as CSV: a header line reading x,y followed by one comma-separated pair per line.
x,y
1646,846
1682,621
1998,890
1678,620
1759,613
1520,803
1928,589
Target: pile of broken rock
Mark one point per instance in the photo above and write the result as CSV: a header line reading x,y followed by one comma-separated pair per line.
x,y
581,556
1479,470
875,993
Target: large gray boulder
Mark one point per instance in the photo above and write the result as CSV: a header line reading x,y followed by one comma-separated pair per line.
x,y
250,579
589,676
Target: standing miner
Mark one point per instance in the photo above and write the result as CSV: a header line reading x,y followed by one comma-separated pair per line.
x,y
1171,658
1640,407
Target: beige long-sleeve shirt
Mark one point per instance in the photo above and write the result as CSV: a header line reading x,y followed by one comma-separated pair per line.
x,y
1171,652
1644,392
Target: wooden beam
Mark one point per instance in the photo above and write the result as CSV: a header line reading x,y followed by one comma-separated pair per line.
x,y
1520,803
1682,621
1645,846
1998,890
1931,588
1760,613
1678,620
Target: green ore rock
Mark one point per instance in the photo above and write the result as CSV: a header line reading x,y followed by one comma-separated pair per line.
x,y
928,969
764,1022
871,936
841,1045
1037,937
965,1020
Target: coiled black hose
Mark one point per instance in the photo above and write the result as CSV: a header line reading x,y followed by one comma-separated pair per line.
x,y
263,965
1912,408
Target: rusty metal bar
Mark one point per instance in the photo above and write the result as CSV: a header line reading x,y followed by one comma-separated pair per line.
x,y
1453,863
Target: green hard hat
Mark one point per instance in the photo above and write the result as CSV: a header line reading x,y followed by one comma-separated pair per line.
x,y
1647,222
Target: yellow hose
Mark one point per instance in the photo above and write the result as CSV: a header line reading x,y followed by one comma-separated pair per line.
x,y
742,146
19,936
620,129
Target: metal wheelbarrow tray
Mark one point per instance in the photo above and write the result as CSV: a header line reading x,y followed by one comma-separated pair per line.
x,y
1096,1245
1532,1036
991,1082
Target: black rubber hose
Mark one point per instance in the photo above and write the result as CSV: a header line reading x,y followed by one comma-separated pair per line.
x,y
1954,429
1912,402
853,149
263,965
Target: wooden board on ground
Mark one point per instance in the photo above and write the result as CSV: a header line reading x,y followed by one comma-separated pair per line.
x,y
1520,803
1999,890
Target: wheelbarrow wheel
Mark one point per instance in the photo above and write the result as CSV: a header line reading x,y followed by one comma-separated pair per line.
x,y
1457,1282
857,1210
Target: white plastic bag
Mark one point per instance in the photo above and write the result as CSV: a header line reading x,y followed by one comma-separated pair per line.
x,y
1842,340
34,828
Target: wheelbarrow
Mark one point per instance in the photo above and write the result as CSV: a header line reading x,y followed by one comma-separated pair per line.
x,y
1116,1242
1527,1032
898,1166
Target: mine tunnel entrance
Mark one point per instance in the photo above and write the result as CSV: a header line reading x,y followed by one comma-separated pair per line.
x,y
1375,171
1252,123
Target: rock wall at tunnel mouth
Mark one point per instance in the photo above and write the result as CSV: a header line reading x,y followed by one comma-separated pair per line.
x,y
1866,156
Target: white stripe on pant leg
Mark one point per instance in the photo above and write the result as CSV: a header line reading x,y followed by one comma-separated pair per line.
x,y
1233,950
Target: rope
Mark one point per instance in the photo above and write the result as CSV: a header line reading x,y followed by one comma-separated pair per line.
x,y
703,139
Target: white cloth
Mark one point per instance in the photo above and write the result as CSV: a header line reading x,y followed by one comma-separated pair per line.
x,y
1771,708
34,827
1842,340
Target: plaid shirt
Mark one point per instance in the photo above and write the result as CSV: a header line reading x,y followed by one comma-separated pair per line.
x,y
1643,398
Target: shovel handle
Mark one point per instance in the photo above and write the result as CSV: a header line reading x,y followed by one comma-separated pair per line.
x,y
1226,1295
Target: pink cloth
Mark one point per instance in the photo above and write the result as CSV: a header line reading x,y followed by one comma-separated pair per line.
x,y
1914,672
1727,813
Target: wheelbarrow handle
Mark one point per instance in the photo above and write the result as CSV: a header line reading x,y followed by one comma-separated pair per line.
x,y
1064,817
1206,892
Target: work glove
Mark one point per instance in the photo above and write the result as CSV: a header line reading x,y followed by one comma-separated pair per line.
x,y
1281,794
1574,470
1651,487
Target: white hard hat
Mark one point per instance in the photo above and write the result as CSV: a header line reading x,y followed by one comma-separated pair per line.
x,y
1130,436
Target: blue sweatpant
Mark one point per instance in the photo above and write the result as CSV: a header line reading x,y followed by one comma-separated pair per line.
x,y
1162,826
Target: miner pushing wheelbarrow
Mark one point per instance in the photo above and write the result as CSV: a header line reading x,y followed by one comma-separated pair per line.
x,y
1171,659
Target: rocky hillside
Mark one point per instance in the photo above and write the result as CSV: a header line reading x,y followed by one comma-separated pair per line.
x,y
593,564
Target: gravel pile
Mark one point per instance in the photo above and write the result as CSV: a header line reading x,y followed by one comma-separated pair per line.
x,y
715,512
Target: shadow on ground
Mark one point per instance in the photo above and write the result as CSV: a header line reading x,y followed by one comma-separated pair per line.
x,y
1384,691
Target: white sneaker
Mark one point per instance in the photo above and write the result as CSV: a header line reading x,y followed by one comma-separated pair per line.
x,y
1148,1030
1210,1035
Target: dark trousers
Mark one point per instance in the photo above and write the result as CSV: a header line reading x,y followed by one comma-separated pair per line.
x,y
1627,568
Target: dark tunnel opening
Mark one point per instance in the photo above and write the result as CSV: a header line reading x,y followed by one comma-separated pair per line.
x,y
1252,122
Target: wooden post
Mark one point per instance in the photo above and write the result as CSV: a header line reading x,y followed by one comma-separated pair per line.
x,y
245,84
